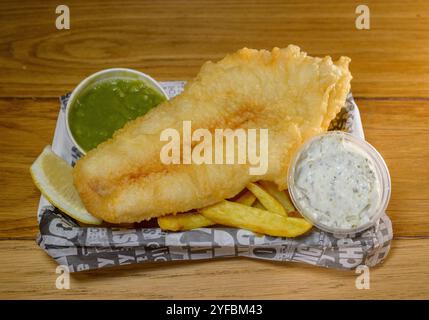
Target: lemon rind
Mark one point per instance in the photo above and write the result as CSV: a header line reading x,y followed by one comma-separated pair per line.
x,y
50,193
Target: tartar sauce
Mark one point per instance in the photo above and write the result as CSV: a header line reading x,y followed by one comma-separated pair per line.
x,y
335,183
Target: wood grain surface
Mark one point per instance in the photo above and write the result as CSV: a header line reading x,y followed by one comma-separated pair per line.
x,y
31,274
170,40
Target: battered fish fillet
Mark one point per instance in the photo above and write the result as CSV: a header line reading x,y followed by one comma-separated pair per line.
x,y
291,94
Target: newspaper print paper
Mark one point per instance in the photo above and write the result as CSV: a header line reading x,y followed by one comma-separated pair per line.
x,y
85,248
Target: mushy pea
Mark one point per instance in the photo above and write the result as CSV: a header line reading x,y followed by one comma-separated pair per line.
x,y
106,106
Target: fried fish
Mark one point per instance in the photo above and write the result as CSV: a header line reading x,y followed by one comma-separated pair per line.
x,y
292,95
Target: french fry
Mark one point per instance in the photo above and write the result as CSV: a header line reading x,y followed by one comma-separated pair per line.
x,y
267,200
260,221
193,220
281,196
184,221
258,205
247,198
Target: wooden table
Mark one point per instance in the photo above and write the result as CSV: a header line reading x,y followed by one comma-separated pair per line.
x,y
170,40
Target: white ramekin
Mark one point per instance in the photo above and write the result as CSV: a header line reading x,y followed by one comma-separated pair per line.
x,y
113,73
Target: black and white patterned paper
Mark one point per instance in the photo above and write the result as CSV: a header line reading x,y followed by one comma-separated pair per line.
x,y
85,248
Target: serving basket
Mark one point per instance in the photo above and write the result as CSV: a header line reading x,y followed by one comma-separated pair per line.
x,y
84,248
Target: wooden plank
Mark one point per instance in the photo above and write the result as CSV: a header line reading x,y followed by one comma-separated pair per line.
x,y
171,40
26,125
398,129
27,272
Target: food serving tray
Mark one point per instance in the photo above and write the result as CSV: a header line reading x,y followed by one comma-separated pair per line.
x,y
84,248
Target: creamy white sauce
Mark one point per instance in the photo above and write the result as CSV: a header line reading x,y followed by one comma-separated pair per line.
x,y
336,183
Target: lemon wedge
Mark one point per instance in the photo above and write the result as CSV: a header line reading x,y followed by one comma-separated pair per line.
x,y
53,177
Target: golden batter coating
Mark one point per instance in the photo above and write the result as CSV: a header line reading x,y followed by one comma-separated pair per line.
x,y
291,94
